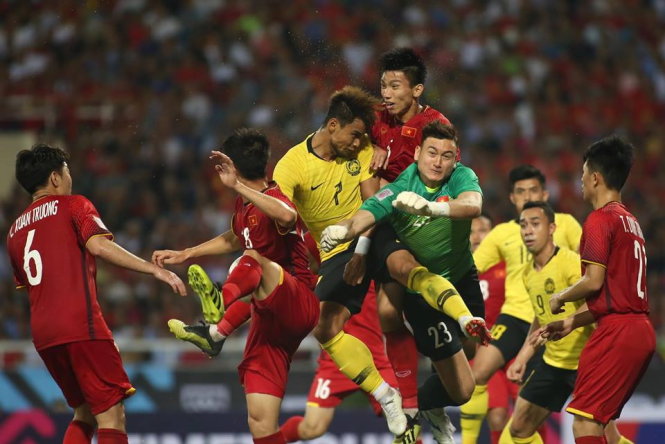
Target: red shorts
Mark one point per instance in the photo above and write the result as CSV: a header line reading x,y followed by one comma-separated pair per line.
x,y
611,365
330,386
88,372
501,391
279,323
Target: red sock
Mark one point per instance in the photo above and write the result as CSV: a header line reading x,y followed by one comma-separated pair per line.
x,y
590,439
244,279
78,432
290,428
495,435
234,317
111,436
403,356
275,438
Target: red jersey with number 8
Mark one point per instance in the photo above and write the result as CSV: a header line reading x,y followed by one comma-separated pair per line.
x,y
47,250
257,231
612,238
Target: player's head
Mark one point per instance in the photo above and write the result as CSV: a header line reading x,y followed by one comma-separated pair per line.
x,y
607,163
480,227
537,225
44,166
249,150
403,75
437,153
527,184
350,115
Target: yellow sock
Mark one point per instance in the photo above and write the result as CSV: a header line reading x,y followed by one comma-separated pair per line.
x,y
624,440
438,292
354,359
506,438
473,413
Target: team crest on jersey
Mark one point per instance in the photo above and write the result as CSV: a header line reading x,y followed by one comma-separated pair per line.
x,y
408,131
252,220
549,286
353,167
386,192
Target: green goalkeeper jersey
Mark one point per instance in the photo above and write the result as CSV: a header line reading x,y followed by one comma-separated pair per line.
x,y
439,243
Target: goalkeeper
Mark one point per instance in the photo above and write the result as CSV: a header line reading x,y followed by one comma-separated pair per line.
x,y
430,207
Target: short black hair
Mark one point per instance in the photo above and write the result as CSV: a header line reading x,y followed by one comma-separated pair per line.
x,y
249,150
484,215
613,158
439,130
524,172
407,61
547,208
34,166
350,103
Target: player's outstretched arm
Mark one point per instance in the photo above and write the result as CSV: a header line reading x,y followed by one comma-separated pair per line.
x,y
222,244
346,230
108,250
515,372
274,208
589,285
468,205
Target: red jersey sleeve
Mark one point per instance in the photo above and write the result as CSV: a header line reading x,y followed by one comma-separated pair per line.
x,y
18,282
597,233
86,219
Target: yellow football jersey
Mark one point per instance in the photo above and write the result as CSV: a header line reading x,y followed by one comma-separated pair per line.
x,y
562,271
324,191
504,243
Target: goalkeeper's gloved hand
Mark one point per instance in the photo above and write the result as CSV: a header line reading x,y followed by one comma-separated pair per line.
x,y
332,236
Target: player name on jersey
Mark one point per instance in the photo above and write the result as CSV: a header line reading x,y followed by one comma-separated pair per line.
x,y
630,225
38,213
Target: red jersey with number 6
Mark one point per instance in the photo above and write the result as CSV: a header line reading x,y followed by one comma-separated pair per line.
x,y
612,238
46,246
401,138
257,231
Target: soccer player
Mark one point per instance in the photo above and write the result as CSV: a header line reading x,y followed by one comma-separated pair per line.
x,y
330,387
52,246
273,271
549,270
613,285
395,134
492,283
430,206
327,176
504,244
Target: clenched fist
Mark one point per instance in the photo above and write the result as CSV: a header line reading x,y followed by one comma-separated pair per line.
x,y
332,236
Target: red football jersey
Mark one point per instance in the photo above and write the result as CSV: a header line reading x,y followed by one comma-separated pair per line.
x,y
257,231
46,246
612,237
492,284
402,139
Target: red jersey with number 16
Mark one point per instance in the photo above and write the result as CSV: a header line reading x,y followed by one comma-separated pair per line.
x,y
401,138
46,246
612,238
257,231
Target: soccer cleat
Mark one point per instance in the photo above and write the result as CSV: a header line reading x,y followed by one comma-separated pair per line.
x,y
412,433
198,335
392,410
212,303
474,327
440,425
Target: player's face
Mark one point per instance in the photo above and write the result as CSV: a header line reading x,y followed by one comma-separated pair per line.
x,y
397,93
436,160
65,185
588,182
480,227
346,140
536,230
527,190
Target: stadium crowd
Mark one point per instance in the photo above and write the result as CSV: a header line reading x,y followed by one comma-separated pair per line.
x,y
142,90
